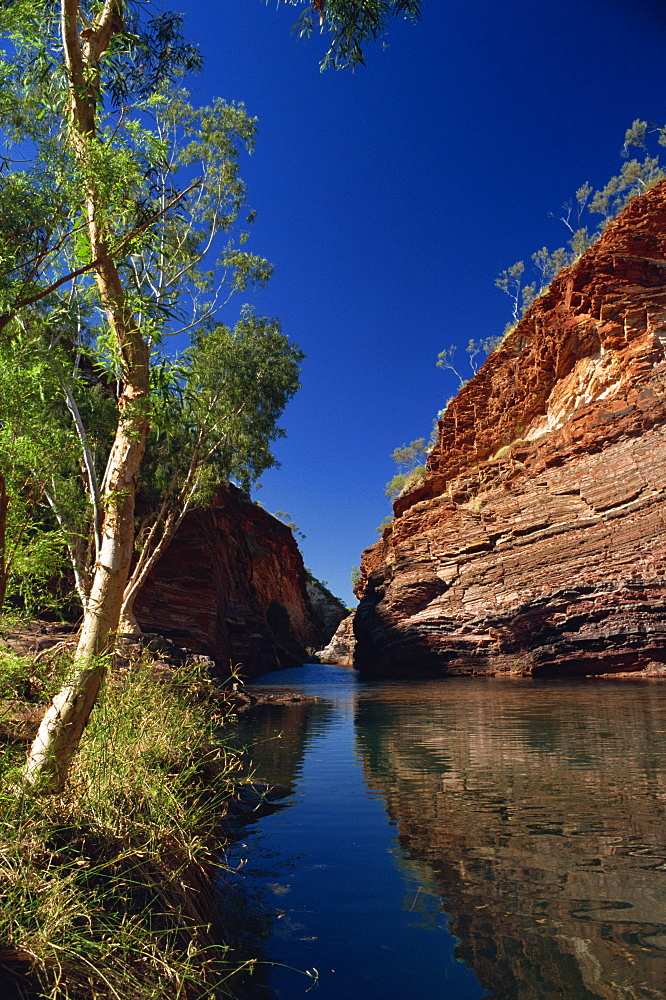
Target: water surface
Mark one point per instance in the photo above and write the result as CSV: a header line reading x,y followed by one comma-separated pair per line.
x,y
460,839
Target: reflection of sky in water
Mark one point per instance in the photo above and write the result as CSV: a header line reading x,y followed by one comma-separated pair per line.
x,y
340,900
533,813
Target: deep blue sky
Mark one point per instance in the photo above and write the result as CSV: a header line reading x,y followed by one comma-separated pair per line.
x,y
389,199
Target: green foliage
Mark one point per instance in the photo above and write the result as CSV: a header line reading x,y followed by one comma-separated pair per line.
x,y
38,451
404,481
149,53
287,519
410,470
407,456
27,679
162,228
238,384
351,25
355,576
634,178
218,405
39,561
185,266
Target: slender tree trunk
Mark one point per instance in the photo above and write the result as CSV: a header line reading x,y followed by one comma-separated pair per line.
x,y
128,622
75,548
67,716
4,504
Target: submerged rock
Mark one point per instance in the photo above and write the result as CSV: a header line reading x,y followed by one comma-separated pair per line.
x,y
536,544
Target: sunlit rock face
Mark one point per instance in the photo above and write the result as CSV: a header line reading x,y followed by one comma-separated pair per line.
x,y
232,586
327,611
340,649
536,543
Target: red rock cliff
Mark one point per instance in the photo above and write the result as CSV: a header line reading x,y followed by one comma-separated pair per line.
x,y
537,542
232,586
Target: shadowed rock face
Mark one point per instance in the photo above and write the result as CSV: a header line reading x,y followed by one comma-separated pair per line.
x,y
327,611
232,586
537,542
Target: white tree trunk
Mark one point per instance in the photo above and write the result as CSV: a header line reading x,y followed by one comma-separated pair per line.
x,y
61,728
59,734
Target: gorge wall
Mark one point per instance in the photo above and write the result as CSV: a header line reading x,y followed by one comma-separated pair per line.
x,y
232,586
537,542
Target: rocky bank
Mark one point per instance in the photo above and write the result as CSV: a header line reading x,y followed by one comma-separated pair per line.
x,y
232,586
536,544
340,650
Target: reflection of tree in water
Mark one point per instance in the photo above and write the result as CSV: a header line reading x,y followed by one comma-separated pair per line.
x,y
276,737
424,904
537,814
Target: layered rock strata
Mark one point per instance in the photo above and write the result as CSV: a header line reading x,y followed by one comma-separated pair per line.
x,y
340,650
232,586
537,542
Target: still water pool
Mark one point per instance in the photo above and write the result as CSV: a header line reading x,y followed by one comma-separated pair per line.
x,y
461,839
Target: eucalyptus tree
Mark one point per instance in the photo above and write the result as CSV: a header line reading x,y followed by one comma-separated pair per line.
x,y
409,460
68,56
105,162
78,82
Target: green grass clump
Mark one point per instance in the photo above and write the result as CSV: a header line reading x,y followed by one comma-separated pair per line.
x,y
106,890
28,679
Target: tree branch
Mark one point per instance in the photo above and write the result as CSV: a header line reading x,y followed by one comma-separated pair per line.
x,y
38,296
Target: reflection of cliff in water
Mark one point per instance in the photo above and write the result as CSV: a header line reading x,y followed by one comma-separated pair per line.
x,y
274,738
537,813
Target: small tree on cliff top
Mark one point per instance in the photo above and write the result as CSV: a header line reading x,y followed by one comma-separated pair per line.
x,y
409,460
635,177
